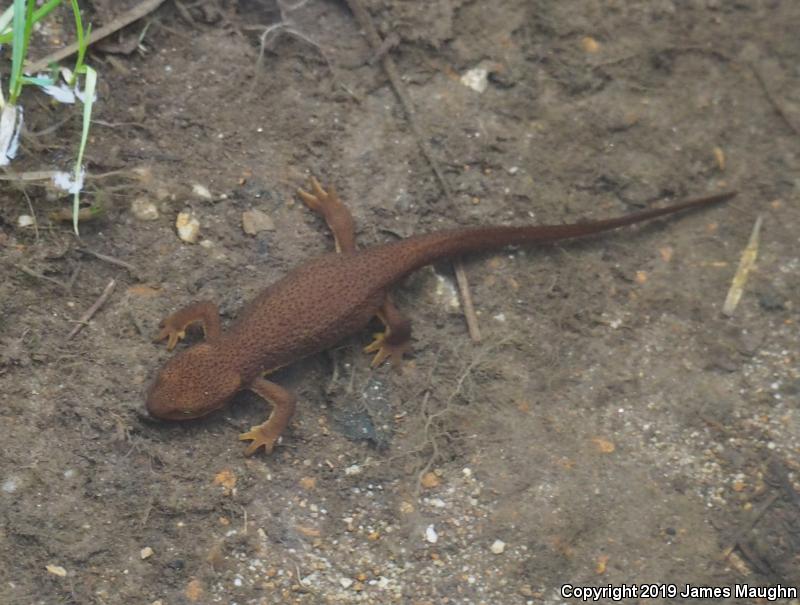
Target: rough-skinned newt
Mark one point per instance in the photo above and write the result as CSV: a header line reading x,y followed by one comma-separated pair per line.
x,y
321,302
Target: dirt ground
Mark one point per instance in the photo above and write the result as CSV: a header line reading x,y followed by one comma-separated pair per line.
x,y
612,427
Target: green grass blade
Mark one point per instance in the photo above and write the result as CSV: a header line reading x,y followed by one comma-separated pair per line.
x,y
39,14
5,19
18,50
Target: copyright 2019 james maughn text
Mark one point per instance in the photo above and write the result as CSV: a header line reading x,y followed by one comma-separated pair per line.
x,y
619,592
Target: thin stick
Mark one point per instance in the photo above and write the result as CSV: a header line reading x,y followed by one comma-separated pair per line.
x,y
390,67
109,259
773,101
84,320
466,300
28,271
137,12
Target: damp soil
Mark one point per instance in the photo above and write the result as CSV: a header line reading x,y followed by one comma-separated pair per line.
x,y
611,427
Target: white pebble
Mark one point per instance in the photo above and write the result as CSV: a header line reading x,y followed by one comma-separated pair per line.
x,y
10,485
476,79
201,191
431,535
345,582
24,220
497,547
144,209
56,570
188,227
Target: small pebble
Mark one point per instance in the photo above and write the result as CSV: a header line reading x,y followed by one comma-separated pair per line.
x,y
57,570
144,209
146,552
255,221
430,480
202,192
24,220
188,227
430,535
497,547
477,79
590,45
345,582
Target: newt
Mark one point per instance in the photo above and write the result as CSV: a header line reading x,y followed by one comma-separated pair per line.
x,y
321,302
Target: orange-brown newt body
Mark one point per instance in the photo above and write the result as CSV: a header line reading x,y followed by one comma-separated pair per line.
x,y
318,304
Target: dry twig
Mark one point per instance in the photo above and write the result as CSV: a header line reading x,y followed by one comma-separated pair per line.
x,y
93,309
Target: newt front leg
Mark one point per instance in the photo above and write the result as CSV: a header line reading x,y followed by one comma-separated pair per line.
x,y
266,434
173,328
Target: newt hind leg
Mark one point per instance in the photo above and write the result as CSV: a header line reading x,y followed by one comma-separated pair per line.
x,y
396,339
173,328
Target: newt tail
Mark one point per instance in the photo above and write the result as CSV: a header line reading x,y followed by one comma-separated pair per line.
x,y
321,302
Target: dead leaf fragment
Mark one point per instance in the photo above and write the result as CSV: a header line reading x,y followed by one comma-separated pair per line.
x,y
746,264
666,253
590,45
226,479
308,483
719,158
143,291
604,446
194,590
311,532
430,480
602,562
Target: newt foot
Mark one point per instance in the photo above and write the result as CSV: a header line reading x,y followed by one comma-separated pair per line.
x,y
171,334
260,438
384,350
318,198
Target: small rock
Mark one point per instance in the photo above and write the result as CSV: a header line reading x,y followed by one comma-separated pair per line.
x,y
57,570
590,45
144,209
430,480
476,78
146,553
188,227
255,221
353,469
25,220
497,547
202,192
430,535
345,582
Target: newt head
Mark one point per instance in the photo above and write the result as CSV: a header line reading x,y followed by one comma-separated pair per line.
x,y
192,384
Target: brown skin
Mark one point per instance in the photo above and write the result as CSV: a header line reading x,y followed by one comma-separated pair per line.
x,y
318,304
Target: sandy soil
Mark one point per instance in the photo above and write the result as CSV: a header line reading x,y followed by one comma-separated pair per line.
x,y
611,428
